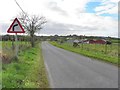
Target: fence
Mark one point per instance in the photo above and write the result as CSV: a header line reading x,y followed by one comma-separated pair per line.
x,y
111,50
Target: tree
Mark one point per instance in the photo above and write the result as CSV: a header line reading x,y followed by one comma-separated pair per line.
x,y
32,24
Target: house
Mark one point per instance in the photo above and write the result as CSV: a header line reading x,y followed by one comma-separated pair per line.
x,y
85,41
100,41
93,41
76,41
71,41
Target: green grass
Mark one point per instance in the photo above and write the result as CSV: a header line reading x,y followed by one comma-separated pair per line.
x,y
7,46
28,72
94,51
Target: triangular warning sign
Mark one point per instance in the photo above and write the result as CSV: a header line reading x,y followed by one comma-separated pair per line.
x,y
16,27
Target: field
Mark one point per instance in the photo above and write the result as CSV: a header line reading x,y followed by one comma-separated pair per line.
x,y
28,71
8,49
107,53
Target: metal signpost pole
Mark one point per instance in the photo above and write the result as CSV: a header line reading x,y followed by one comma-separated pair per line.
x,y
16,27
16,46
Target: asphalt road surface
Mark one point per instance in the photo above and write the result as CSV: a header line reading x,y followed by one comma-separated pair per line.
x,y
70,70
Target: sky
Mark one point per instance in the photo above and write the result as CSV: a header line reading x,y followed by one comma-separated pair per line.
x,y
66,17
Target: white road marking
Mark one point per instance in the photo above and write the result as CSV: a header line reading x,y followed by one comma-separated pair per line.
x,y
49,76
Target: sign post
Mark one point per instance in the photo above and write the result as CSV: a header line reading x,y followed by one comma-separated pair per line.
x,y
16,27
16,46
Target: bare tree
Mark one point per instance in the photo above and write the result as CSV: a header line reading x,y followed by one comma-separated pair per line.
x,y
32,24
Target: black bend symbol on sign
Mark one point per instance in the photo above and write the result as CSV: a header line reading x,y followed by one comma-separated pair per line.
x,y
14,26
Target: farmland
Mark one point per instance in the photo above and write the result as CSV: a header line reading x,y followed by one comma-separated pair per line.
x,y
107,53
26,72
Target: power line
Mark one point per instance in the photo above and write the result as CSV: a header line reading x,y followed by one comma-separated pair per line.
x,y
19,6
21,9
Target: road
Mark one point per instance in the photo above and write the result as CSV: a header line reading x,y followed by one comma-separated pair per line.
x,y
70,70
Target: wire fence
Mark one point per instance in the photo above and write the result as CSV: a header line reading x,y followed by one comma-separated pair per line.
x,y
111,50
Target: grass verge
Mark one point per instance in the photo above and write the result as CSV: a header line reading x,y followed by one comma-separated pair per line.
x,y
90,53
28,72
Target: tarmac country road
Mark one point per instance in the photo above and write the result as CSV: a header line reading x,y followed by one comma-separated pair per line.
x,y
70,70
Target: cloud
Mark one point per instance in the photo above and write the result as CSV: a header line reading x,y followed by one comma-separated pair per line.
x,y
107,6
53,28
66,7
90,24
103,7
99,26
53,6
4,27
66,16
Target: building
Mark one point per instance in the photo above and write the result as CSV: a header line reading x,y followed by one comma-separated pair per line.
x,y
100,41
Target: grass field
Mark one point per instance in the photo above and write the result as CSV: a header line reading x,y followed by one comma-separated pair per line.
x,y
8,49
105,53
28,71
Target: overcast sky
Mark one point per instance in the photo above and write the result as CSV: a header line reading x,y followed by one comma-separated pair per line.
x,y
65,17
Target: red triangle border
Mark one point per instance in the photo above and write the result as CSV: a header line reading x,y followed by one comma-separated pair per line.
x,y
18,24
